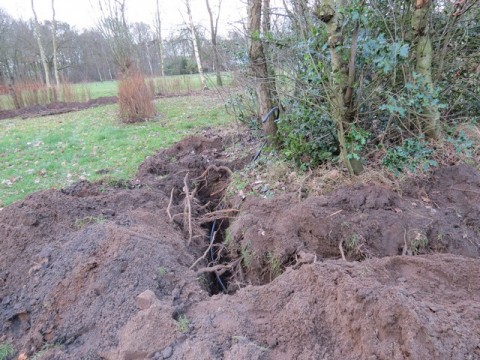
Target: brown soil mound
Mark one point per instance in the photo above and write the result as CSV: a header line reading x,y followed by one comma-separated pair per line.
x,y
366,221
391,308
102,272
55,108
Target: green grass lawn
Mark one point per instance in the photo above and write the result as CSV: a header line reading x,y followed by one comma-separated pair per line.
x,y
55,151
100,89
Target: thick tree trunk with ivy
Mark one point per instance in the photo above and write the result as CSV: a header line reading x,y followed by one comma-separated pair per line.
x,y
259,67
422,44
343,66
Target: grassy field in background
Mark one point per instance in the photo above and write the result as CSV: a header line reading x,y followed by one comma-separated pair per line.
x,y
177,84
99,89
55,151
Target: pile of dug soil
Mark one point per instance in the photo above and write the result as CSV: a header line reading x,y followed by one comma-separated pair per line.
x,y
102,272
55,108
441,215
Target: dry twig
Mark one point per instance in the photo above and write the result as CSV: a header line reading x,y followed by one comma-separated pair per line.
x,y
187,212
303,183
340,246
205,253
170,205
335,213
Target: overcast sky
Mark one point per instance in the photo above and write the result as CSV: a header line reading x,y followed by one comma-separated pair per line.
x,y
81,13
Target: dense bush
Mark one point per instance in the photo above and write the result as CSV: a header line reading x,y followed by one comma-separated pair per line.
x,y
134,98
392,101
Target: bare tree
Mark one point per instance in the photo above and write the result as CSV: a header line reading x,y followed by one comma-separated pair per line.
x,y
195,45
36,31
160,40
258,64
213,33
54,45
300,16
113,26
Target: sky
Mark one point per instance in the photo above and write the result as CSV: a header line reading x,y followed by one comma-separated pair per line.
x,y
82,15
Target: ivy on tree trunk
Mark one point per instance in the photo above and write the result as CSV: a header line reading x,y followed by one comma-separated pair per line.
x,y
331,13
423,51
259,67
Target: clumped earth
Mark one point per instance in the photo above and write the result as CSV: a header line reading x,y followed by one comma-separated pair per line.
x,y
55,108
124,271
61,107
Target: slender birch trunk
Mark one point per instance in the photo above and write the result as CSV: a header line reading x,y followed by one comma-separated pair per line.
x,y
195,46
160,40
54,45
36,31
213,32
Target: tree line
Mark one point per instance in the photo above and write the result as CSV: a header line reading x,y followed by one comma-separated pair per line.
x,y
88,55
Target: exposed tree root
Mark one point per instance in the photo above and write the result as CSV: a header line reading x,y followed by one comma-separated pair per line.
x,y
187,212
340,246
170,205
219,269
216,215
215,168
204,256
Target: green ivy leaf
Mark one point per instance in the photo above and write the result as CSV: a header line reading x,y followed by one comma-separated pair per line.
x,y
403,52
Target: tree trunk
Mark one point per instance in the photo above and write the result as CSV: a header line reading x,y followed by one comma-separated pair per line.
x,y
13,93
149,60
267,27
160,41
423,52
54,45
331,13
213,32
258,64
36,31
195,46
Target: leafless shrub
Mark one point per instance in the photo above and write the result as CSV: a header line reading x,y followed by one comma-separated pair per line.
x,y
134,98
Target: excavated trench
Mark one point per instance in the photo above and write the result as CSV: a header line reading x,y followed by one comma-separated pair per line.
x,y
140,270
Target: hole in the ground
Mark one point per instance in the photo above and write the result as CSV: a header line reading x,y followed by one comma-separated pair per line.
x,y
217,282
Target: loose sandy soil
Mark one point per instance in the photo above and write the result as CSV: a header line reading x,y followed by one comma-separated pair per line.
x,y
101,271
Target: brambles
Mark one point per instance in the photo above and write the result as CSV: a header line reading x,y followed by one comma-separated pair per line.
x,y
414,152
